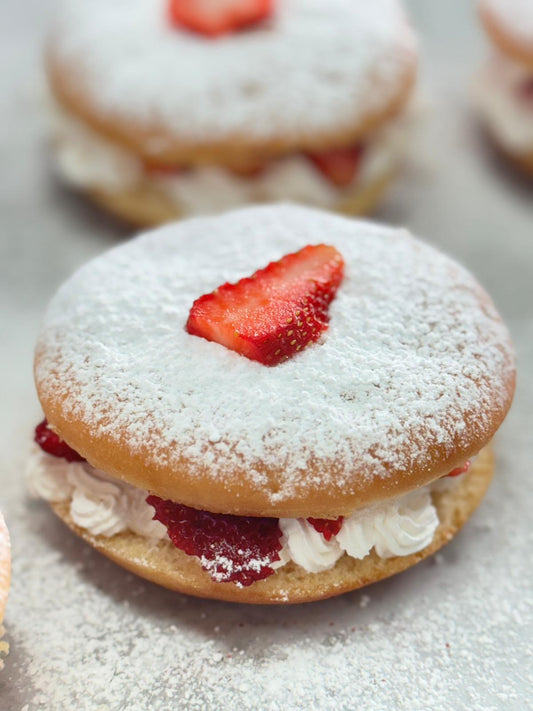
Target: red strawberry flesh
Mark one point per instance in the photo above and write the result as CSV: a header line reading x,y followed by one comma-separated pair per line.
x,y
460,470
238,549
525,90
53,444
275,313
327,527
340,165
153,168
218,17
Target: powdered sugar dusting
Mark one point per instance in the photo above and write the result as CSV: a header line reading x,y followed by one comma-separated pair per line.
x,y
516,16
408,355
311,68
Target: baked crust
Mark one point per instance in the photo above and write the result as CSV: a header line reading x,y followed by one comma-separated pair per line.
x,y
168,566
501,34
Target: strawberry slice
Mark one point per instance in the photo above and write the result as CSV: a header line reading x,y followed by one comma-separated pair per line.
x,y
460,470
218,17
525,90
52,444
275,313
155,169
326,526
237,549
340,165
249,171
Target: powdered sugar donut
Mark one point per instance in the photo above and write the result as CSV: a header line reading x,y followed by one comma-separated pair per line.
x,y
504,90
330,427
156,119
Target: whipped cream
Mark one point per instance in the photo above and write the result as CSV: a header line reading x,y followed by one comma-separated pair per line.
x,y
507,115
88,160
99,504
394,528
105,506
398,527
307,547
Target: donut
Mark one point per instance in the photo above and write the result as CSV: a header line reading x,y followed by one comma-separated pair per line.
x,y
504,87
5,579
237,410
156,117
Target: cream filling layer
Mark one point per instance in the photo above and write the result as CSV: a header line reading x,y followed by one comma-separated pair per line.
x,y
508,116
105,506
87,160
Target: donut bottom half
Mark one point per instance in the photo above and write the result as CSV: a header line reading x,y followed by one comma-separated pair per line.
x,y
147,206
168,566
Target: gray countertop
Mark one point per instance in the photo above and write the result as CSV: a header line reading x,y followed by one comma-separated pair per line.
x,y
454,632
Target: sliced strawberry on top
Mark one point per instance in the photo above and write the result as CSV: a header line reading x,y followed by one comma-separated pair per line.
x,y
218,17
340,165
275,313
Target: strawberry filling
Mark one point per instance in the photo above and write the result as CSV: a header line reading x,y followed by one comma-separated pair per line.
x,y
460,470
232,549
525,90
213,18
327,527
338,166
53,444
155,169
277,312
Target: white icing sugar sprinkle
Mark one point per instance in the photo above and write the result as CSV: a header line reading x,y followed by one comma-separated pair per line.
x,y
516,16
312,67
408,353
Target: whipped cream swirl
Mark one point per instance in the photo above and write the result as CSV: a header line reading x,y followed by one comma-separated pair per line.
x,y
100,504
393,528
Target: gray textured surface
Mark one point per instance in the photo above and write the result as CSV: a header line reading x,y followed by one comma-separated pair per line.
x,y
453,633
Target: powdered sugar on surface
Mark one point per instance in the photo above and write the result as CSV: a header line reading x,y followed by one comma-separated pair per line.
x,y
108,640
515,16
312,67
409,352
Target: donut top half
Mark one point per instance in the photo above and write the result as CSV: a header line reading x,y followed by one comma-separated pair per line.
x,y
509,24
413,376
318,74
